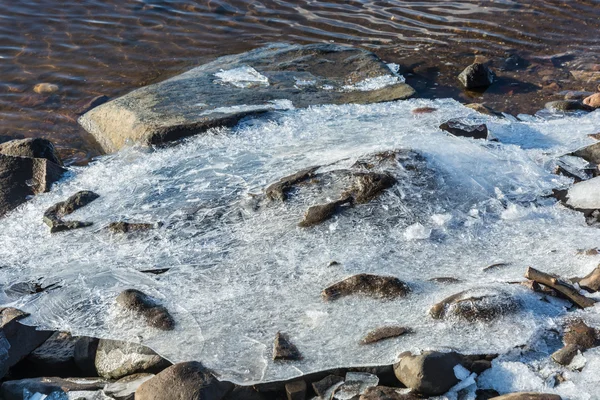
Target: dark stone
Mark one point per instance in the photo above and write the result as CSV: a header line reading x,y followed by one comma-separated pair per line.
x,y
459,128
567,105
296,390
249,393
322,212
283,349
386,393
129,227
472,306
116,359
486,394
514,62
156,316
53,216
14,390
385,332
479,366
327,385
368,186
31,148
56,354
84,355
188,380
565,355
476,76
22,177
280,189
591,282
430,374
377,286
170,110
578,333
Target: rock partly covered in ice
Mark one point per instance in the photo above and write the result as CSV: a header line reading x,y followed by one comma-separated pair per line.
x,y
116,359
222,92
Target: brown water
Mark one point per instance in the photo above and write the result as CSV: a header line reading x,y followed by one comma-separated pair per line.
x,y
109,47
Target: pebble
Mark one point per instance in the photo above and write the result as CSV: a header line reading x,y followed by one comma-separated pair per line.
x,y
45,88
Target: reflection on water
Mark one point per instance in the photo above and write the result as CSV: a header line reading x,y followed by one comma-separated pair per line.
x,y
107,47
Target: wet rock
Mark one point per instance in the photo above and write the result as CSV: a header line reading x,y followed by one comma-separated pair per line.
x,y
322,212
514,62
22,389
476,76
57,354
116,359
528,396
280,189
591,282
87,105
45,88
385,332
387,393
430,374
592,101
565,355
376,286
31,148
124,388
296,390
475,305
53,216
191,380
483,109
23,339
284,349
368,186
566,106
22,177
325,387
458,128
84,355
578,333
197,100
156,316
129,227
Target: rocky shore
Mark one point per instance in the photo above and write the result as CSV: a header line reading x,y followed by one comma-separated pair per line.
x,y
234,89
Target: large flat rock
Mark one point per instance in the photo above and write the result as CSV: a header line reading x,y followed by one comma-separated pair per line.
x,y
222,92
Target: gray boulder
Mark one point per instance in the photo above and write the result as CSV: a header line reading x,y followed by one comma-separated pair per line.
x,y
31,148
188,380
116,359
18,389
230,88
430,373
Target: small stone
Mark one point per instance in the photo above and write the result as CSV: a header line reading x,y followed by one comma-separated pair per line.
x,y
565,355
376,286
31,148
462,129
45,88
578,333
156,316
528,396
53,216
280,189
116,359
129,227
430,373
321,212
283,349
566,106
368,186
185,381
296,390
325,387
476,76
385,332
592,101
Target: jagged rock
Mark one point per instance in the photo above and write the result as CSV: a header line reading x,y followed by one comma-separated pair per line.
x,y
31,148
565,355
578,333
280,189
296,390
476,76
18,389
22,177
567,105
124,388
23,339
155,315
385,332
57,354
53,216
459,128
325,387
322,212
592,101
475,305
368,186
591,282
129,227
116,359
197,100
188,380
283,349
381,287
387,393
84,355
528,396
430,374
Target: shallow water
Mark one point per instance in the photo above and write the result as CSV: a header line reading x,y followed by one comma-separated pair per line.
x,y
94,47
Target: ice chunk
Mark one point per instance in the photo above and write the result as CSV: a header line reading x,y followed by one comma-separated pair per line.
x,y
280,104
376,83
585,195
242,77
417,232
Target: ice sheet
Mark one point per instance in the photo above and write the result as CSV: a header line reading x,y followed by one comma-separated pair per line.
x,y
241,273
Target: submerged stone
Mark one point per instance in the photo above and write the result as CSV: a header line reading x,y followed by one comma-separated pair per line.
x,y
284,349
321,212
368,186
476,76
53,216
156,316
222,92
459,128
376,286
475,305
279,190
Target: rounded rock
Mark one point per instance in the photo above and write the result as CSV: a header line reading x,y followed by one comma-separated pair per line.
x,y
45,88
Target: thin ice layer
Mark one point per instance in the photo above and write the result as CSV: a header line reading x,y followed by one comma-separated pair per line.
x,y
240,273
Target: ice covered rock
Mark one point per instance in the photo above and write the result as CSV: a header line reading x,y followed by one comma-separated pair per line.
x,y
124,388
385,332
18,389
280,189
565,355
129,227
367,186
430,373
197,100
31,148
116,359
476,76
376,286
355,384
475,305
319,213
191,380
155,315
53,216
461,128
